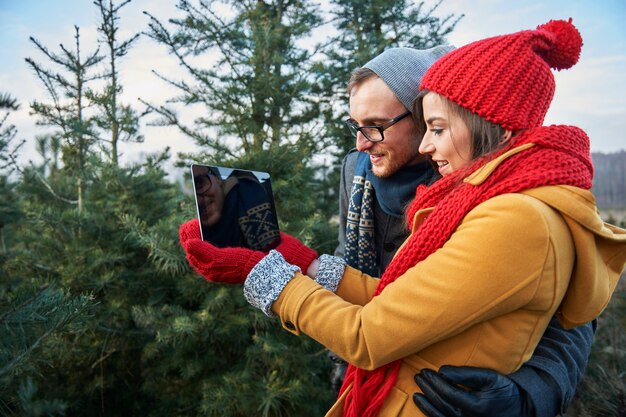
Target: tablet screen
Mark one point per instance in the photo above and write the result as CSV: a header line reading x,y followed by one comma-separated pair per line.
x,y
235,207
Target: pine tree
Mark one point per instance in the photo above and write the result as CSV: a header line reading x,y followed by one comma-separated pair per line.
x,y
223,357
75,235
257,110
66,111
30,315
29,319
99,369
119,121
9,211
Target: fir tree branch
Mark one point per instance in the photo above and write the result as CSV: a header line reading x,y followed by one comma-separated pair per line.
x,y
43,181
49,307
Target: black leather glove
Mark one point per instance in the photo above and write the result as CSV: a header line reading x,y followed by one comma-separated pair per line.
x,y
466,391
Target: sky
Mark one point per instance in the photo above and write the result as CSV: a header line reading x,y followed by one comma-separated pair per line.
x,y
592,94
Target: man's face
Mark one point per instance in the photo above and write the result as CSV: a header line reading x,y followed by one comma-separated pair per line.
x,y
373,103
210,197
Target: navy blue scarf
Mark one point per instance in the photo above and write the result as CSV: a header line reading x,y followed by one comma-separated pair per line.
x,y
392,194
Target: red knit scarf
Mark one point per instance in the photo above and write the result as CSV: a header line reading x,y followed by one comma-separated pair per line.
x,y
560,157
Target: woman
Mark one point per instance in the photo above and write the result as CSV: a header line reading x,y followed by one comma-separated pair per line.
x,y
509,236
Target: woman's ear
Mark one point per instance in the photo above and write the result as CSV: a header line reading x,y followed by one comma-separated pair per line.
x,y
506,137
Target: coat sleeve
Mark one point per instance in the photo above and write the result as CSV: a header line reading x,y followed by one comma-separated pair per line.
x,y
475,276
552,374
356,287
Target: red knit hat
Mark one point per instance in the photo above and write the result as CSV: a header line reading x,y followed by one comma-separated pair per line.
x,y
507,79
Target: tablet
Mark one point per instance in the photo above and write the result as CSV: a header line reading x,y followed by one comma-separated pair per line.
x,y
235,207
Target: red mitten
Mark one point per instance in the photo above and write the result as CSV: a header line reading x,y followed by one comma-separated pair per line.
x,y
227,265
189,230
296,252
232,265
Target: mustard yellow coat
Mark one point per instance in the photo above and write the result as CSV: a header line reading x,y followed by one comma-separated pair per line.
x,y
484,299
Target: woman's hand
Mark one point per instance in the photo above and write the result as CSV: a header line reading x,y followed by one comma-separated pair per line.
x,y
232,265
225,265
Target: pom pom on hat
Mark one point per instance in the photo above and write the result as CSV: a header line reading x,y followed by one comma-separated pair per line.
x,y
507,79
566,45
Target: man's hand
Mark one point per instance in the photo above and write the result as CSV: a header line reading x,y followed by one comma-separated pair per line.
x,y
469,392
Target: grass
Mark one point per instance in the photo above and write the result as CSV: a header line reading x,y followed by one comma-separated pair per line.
x,y
602,392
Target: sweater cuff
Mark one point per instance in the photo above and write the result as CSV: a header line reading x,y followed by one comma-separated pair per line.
x,y
330,272
267,280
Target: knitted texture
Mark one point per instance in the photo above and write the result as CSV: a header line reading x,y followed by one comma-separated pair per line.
x,y
360,246
189,230
507,79
225,265
397,67
560,156
295,252
267,280
232,265
330,272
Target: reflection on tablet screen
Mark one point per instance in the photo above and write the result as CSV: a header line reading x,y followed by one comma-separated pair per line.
x,y
235,207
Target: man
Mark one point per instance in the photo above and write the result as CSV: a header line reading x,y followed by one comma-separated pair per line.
x,y
378,180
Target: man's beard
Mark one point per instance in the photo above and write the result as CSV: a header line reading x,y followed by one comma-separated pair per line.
x,y
393,163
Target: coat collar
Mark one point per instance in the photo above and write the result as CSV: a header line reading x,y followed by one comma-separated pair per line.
x,y
481,174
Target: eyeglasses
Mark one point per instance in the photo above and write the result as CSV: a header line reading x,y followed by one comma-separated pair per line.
x,y
374,133
202,189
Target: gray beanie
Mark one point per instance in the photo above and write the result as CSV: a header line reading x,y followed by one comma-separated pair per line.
x,y
402,69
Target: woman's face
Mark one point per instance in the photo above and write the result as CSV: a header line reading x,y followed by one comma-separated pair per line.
x,y
447,139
